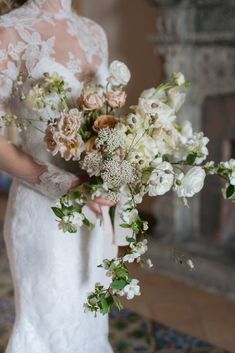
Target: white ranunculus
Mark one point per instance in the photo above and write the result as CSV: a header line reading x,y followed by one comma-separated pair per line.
x,y
179,78
119,73
191,183
161,179
175,98
163,113
143,152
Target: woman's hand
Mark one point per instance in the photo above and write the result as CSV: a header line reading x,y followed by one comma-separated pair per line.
x,y
95,204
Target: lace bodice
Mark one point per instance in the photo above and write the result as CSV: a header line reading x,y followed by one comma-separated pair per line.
x,y
47,36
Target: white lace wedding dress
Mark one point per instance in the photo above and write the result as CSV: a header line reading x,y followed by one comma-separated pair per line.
x,y
52,271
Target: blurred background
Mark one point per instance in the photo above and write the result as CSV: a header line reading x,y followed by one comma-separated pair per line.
x,y
197,37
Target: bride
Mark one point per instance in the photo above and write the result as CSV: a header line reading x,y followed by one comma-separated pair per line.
x,y
52,272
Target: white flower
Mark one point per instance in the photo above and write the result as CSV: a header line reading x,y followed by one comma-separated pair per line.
x,y
190,264
163,113
129,258
175,98
161,179
179,78
131,290
154,93
232,178
149,263
145,225
230,169
191,183
129,216
197,144
186,131
143,151
119,73
77,219
140,248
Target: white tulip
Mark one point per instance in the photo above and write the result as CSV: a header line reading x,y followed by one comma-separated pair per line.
x,y
191,183
119,73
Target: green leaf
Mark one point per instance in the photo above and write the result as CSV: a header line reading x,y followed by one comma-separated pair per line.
x,y
230,191
165,158
118,284
105,306
187,84
130,239
191,158
88,224
112,214
58,212
125,225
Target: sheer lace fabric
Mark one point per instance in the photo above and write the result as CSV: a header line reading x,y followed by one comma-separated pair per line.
x,y
48,36
52,272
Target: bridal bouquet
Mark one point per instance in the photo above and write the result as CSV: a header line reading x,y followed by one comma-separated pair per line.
x,y
124,157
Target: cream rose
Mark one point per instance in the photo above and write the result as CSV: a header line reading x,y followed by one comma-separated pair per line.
x,y
191,183
104,121
116,99
119,74
91,101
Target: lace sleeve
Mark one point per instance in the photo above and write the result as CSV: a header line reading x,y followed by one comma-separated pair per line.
x,y
53,182
8,73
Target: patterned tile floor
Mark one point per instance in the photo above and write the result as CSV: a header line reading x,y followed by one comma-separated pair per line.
x,y
129,331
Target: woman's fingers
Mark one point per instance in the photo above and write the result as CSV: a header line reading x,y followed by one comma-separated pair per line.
x,y
95,207
104,202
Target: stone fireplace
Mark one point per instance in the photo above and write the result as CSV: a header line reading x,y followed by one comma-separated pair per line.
x,y
197,37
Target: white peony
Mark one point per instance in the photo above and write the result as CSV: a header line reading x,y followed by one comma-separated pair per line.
x,y
119,73
191,183
179,78
161,179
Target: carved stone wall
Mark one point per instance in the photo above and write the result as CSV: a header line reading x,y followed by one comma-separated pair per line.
x,y
196,37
